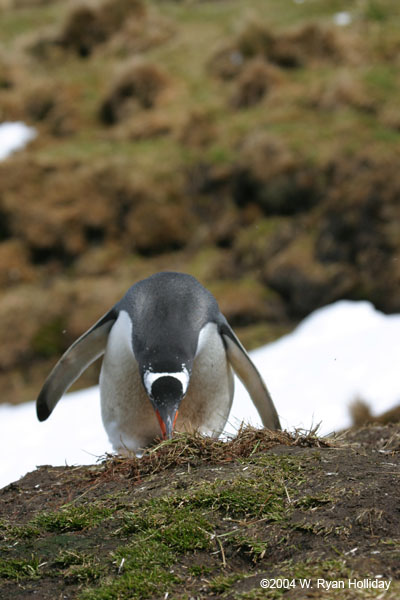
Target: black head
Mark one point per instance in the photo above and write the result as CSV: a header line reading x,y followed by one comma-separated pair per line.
x,y
166,393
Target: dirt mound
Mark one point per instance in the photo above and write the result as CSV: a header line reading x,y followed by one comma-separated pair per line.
x,y
206,519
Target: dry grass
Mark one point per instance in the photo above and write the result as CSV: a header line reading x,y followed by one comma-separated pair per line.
x,y
137,87
193,448
344,90
89,24
254,83
198,129
361,414
309,44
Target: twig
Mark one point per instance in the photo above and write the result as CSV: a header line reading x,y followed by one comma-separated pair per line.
x,y
287,494
222,550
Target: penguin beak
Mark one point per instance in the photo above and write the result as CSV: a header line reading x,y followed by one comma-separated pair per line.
x,y
167,422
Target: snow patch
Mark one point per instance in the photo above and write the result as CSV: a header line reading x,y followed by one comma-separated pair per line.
x,y
13,137
342,19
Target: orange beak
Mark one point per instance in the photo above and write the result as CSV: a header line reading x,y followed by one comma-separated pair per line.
x,y
167,428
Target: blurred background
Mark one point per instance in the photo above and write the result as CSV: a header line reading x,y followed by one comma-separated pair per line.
x,y
252,144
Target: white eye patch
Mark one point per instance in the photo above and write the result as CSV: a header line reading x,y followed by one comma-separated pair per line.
x,y
182,376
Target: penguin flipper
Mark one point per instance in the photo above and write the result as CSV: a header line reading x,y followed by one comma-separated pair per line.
x,y
85,350
249,376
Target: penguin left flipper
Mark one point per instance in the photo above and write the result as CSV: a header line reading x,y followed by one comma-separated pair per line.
x,y
249,376
90,346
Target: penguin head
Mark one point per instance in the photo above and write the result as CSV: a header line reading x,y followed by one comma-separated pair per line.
x,y
166,391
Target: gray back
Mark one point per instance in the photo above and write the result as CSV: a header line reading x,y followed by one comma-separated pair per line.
x,y
168,311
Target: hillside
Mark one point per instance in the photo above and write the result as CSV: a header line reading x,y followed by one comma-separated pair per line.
x,y
196,518
253,145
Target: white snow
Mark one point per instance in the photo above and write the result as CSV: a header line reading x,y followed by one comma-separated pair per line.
x,y
14,136
340,351
74,434
342,18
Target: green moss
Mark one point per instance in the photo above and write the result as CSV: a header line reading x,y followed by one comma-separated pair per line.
x,y
198,570
283,466
241,498
250,546
183,530
168,527
312,502
19,569
72,518
224,583
145,567
12,533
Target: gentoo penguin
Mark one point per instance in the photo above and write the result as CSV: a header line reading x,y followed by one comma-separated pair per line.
x,y
168,353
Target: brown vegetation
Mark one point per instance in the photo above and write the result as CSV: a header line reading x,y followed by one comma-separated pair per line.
x,y
138,87
261,157
273,177
254,82
309,44
90,24
200,450
343,91
361,415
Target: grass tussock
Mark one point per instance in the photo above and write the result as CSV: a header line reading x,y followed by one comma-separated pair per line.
x,y
138,87
194,448
90,24
309,44
361,414
254,83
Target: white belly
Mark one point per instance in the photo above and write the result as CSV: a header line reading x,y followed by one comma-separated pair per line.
x,y
127,413
208,401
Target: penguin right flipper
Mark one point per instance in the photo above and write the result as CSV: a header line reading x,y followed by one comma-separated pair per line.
x,y
85,350
249,375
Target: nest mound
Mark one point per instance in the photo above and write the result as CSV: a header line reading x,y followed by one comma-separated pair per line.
x,y
195,448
